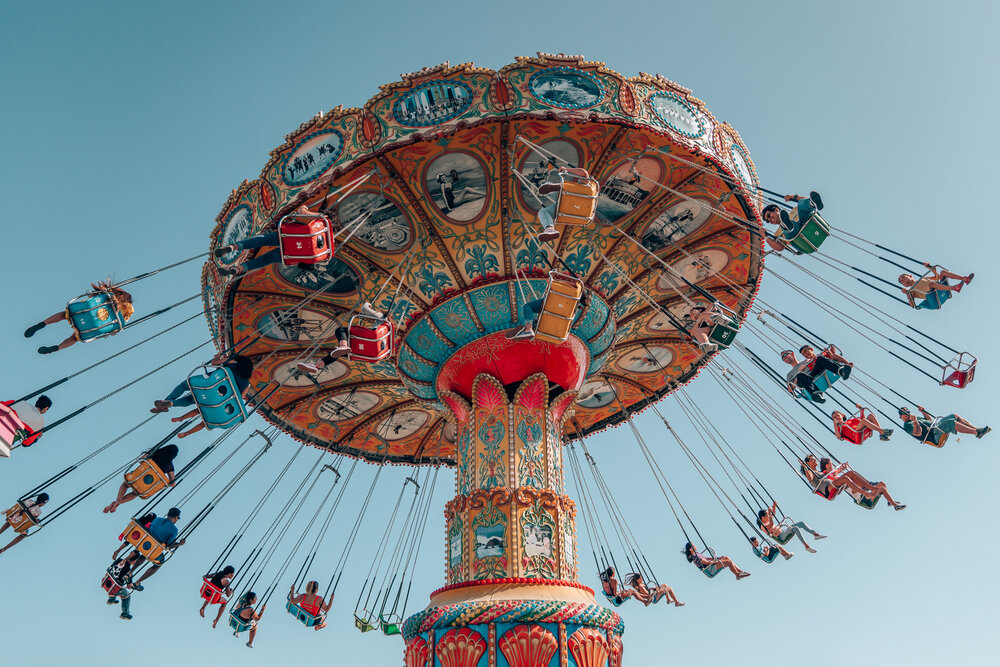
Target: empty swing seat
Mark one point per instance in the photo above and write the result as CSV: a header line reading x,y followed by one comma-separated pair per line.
x,y
811,235
309,617
19,518
389,624
11,429
363,624
93,316
823,382
562,295
147,479
152,549
960,371
305,239
210,592
217,397
371,339
577,202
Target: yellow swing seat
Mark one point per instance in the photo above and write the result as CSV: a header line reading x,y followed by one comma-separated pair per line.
x,y
558,307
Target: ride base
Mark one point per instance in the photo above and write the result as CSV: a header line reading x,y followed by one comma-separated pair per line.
x,y
512,598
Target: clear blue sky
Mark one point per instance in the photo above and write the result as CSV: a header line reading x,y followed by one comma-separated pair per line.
x,y
125,126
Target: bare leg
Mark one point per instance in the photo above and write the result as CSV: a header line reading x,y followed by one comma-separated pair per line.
x,y
871,421
186,415
953,276
700,336
222,608
4,527
783,551
963,425
880,489
253,633
58,317
67,343
147,574
13,542
191,430
941,287
119,499
727,563
202,610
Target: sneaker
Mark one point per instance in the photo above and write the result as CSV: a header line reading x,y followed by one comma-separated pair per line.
x,y
337,352
548,234
368,311
816,199
964,280
526,333
157,411
249,645
958,287
742,575
514,334
165,404
708,347
810,550
48,349
126,617
788,555
980,432
818,536
112,601
236,633
844,371
138,587
818,397
224,250
231,270
899,506
885,434
307,367
33,329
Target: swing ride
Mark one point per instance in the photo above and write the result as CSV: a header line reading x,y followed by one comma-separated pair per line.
x,y
407,246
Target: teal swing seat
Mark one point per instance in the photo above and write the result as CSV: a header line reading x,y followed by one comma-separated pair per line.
x,y
710,570
823,382
615,600
217,397
94,316
767,557
861,501
934,299
309,620
236,623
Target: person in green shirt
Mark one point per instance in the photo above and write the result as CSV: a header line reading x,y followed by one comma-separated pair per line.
x,y
920,427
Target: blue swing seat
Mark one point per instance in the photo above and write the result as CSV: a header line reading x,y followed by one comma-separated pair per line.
x,y
823,382
217,397
769,557
93,316
934,299
237,623
307,619
615,600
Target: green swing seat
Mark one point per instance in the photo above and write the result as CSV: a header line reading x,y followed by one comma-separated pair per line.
x,y
363,624
811,235
390,624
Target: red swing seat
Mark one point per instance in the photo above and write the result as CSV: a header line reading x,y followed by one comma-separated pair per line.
x,y
960,371
210,593
305,239
371,339
853,432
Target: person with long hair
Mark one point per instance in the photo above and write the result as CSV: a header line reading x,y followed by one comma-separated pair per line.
x,y
163,458
220,580
818,477
640,591
782,531
611,588
703,562
120,301
247,614
312,602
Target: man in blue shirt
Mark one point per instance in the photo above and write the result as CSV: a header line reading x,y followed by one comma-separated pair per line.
x,y
164,531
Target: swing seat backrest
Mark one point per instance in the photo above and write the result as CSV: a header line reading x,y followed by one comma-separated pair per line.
x,y
210,593
304,239
153,550
93,316
236,623
614,600
859,499
371,339
308,619
852,432
935,438
960,371
147,479
20,518
723,334
766,557
559,304
217,397
710,570
10,426
577,202
811,234
110,585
